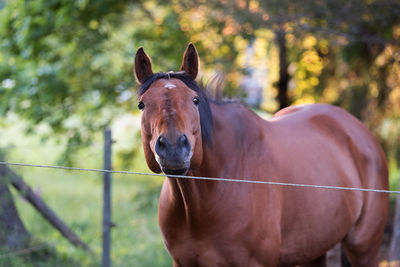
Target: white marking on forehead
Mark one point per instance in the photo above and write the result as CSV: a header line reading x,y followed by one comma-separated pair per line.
x,y
169,85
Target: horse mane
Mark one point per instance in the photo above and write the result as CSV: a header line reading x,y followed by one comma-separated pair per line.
x,y
206,120
214,89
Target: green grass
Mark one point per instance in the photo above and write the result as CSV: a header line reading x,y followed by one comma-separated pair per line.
x,y
77,198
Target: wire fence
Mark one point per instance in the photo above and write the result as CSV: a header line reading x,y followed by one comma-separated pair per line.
x,y
26,251
204,178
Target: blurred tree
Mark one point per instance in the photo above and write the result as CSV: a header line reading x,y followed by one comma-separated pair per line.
x,y
68,64
359,25
283,65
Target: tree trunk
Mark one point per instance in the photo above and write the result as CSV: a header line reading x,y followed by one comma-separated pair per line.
x,y
13,233
395,243
280,36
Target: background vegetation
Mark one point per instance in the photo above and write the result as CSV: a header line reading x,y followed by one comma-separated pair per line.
x,y
66,73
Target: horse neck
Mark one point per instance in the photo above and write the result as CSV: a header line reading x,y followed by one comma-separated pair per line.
x,y
191,196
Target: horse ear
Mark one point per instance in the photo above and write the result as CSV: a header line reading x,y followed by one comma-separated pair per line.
x,y
142,66
190,64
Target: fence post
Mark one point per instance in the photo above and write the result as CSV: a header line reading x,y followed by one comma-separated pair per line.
x,y
106,260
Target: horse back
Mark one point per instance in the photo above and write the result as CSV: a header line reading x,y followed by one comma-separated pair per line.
x,y
334,126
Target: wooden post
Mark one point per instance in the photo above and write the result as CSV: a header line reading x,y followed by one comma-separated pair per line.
x,y
395,242
107,224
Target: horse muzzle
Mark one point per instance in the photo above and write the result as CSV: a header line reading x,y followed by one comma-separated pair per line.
x,y
174,159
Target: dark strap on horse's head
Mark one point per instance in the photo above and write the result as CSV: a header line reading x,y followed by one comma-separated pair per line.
x,y
162,75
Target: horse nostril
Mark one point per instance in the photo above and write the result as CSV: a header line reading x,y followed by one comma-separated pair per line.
x,y
161,145
184,142
162,142
182,139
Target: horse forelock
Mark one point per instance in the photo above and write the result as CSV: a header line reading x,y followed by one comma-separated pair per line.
x,y
206,121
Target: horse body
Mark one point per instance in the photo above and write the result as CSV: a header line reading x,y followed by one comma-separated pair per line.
x,y
218,223
251,225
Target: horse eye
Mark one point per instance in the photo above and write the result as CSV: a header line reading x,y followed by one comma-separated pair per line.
x,y
140,105
196,100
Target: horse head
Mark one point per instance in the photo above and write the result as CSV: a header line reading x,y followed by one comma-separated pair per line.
x,y
176,116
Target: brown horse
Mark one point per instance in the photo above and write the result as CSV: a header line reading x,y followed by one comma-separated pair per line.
x,y
219,223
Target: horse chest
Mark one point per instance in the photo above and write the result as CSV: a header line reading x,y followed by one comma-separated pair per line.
x,y
227,229
209,252
235,241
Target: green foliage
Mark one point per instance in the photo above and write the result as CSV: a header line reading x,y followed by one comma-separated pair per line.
x,y
163,39
68,63
53,54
